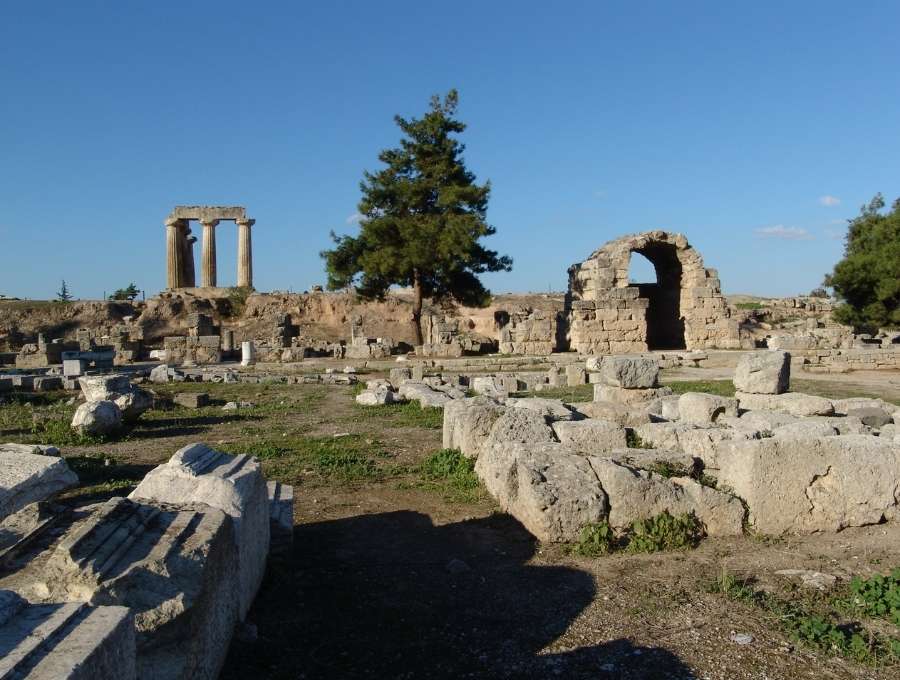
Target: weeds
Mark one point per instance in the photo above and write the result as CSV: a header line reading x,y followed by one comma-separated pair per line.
x,y
596,539
878,596
634,441
723,388
664,532
452,473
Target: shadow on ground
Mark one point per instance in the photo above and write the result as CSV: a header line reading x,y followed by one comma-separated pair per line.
x,y
375,596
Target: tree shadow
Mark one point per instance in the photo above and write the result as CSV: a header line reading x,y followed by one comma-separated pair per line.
x,y
393,596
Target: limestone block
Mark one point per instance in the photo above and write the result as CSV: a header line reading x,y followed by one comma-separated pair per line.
x,y
468,422
629,372
663,435
592,365
638,494
700,408
872,416
160,374
794,403
174,567
399,375
232,484
551,409
281,516
805,429
817,484
67,641
131,400
192,399
590,437
422,393
97,418
763,373
842,407
519,425
550,490
621,395
648,459
28,478
575,375
763,421
668,407
622,415
706,443
489,386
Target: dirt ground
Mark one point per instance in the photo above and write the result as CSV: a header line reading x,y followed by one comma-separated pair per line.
x,y
392,576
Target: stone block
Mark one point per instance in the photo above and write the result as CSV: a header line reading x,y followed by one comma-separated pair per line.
x,y
763,373
793,403
575,375
621,414
629,372
621,395
65,641
699,408
28,478
550,409
281,516
802,485
590,437
191,399
519,425
468,422
97,418
232,484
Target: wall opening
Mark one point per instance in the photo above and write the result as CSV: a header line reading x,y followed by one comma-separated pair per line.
x,y
665,325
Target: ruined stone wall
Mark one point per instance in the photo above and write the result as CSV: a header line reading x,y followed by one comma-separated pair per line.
x,y
857,359
684,309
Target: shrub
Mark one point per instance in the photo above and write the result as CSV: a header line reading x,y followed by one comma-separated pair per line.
x,y
595,539
664,532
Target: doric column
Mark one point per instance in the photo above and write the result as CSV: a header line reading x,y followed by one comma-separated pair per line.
x,y
245,254
174,254
208,258
189,279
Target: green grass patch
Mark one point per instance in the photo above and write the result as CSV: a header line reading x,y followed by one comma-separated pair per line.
x,y
749,305
405,414
453,474
564,394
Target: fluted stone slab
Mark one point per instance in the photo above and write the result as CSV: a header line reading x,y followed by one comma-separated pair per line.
x,y
233,484
65,641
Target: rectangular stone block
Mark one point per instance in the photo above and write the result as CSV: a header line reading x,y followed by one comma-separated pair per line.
x,y
67,641
28,478
192,399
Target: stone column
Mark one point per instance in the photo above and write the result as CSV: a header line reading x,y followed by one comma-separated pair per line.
x,y
174,254
245,254
208,261
189,280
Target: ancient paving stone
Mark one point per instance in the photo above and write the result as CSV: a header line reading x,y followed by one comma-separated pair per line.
x,y
66,641
28,478
638,494
815,484
232,484
590,437
550,490
519,425
468,423
763,373
703,409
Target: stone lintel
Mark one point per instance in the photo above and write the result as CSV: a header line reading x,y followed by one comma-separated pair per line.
x,y
205,213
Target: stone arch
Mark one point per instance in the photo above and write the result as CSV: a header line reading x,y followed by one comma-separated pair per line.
x,y
683,309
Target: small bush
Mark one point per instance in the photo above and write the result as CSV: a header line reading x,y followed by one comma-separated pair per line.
x,y
878,596
668,469
453,473
595,540
634,441
664,532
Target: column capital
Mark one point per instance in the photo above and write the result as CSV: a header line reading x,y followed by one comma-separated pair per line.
x,y
174,222
209,223
245,222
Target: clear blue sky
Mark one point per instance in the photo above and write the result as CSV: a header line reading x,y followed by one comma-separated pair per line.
x,y
755,130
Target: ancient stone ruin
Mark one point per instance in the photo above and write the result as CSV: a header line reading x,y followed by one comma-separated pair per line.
x,y
683,309
180,245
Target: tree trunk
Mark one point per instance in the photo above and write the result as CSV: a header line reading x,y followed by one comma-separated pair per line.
x,y
417,307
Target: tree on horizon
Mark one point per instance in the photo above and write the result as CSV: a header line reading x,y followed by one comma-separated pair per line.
x,y
423,216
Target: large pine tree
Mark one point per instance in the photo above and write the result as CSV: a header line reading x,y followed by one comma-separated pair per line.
x,y
423,216
867,280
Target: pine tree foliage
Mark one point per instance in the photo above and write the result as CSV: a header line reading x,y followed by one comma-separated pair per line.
x,y
867,279
63,295
423,218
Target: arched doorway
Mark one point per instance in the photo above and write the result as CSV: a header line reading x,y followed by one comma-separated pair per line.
x,y
665,325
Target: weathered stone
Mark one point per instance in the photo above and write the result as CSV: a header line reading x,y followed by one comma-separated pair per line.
x,y
654,459
131,400
700,408
575,375
668,407
552,409
377,396
97,418
28,478
619,414
422,393
489,386
706,443
519,425
551,491
399,375
637,494
175,567
663,435
192,399
842,407
281,516
468,423
629,372
763,373
621,395
807,485
872,416
805,429
68,641
232,484
794,403
590,437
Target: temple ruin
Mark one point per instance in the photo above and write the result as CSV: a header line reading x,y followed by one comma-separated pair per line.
x,y
683,309
180,245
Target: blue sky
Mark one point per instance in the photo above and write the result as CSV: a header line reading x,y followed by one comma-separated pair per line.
x,y
756,130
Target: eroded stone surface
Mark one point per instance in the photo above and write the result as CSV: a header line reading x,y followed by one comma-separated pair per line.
x,y
468,423
28,478
629,372
700,408
590,437
794,403
763,373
